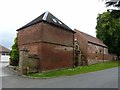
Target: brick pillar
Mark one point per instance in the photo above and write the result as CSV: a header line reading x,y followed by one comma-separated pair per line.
x,y
23,61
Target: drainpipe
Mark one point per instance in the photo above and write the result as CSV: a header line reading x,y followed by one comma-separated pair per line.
x,y
103,54
73,50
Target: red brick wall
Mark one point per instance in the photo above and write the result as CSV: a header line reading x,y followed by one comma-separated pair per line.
x,y
56,56
57,35
30,34
57,48
53,45
97,53
34,48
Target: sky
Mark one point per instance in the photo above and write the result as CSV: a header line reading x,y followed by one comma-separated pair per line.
x,y
77,14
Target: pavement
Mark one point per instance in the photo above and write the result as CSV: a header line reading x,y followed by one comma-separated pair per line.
x,y
100,79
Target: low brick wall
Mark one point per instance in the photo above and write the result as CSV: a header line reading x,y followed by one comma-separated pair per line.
x,y
33,63
92,61
27,63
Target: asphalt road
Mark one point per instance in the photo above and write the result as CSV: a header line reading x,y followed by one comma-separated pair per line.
x,y
100,79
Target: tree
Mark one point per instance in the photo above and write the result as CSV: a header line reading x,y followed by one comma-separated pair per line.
x,y
115,13
114,3
14,54
108,30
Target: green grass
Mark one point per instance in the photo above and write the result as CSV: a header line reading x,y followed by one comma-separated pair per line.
x,y
76,70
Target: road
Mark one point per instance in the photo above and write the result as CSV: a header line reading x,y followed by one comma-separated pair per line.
x,y
100,79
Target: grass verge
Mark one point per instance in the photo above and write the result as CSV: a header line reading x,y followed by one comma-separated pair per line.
x,y
76,70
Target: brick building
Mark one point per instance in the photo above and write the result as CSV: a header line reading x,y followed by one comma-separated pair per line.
x,y
93,50
57,46
50,39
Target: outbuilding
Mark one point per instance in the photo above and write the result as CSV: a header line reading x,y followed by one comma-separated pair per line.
x,y
92,49
50,39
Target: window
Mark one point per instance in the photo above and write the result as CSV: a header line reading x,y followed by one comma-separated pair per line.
x,y
3,53
54,20
7,54
59,22
100,51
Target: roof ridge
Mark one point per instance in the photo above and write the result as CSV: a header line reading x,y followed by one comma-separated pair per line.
x,y
45,15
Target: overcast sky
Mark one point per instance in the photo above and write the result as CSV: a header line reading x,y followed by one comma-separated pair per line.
x,y
78,14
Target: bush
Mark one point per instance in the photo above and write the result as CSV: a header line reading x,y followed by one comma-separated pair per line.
x,y
14,54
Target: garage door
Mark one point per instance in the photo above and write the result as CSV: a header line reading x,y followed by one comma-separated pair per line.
x,y
5,58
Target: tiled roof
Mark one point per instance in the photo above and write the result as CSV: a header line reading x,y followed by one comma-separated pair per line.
x,y
47,17
91,39
4,49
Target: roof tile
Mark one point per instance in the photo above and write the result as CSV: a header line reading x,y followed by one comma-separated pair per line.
x,y
4,49
91,39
